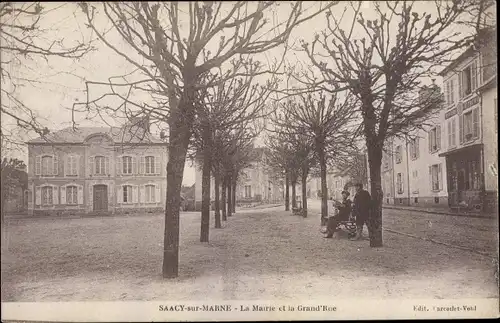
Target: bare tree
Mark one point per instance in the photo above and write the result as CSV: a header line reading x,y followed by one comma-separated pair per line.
x,y
12,177
173,59
382,62
329,126
22,39
226,107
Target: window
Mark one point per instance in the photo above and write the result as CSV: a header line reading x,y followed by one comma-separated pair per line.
x,y
47,195
150,194
71,195
100,165
71,168
398,154
436,177
470,125
414,148
47,166
127,165
248,191
127,194
150,165
450,92
469,79
399,183
435,139
452,142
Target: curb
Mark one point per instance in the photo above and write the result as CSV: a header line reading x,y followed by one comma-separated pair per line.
x,y
468,215
485,254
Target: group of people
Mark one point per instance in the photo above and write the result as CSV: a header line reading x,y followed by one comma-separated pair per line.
x,y
359,208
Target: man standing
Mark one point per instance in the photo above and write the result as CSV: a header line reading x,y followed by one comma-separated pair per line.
x,y
361,209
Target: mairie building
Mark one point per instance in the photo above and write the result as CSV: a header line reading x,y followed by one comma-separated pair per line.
x,y
97,170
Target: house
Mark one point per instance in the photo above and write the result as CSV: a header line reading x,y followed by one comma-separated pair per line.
x,y
257,182
469,120
413,172
97,170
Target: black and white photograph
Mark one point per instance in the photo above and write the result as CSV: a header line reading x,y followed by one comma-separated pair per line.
x,y
249,160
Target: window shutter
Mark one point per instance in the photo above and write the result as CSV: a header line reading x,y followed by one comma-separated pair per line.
x,y
452,91
460,85
157,193
157,165
449,134
76,164
430,177
430,140
119,197
134,165
38,165
475,122
454,132
38,195
474,75
63,194
417,148
142,168
106,166
67,165
438,137
119,165
440,176
134,194
55,195
91,165
461,128
80,194
55,169
91,196
142,197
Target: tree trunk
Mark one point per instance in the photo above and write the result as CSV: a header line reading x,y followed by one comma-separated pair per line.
x,y
324,189
223,199
179,136
287,191
218,223
294,195
205,184
233,192
229,197
375,216
304,193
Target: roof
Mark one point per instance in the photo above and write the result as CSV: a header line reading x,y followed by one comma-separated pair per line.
x,y
481,39
79,135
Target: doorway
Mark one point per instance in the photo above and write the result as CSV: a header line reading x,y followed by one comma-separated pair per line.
x,y
100,198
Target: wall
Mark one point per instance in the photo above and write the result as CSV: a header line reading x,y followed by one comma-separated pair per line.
x,y
86,180
490,134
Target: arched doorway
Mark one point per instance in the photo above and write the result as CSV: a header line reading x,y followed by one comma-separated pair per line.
x,y
100,198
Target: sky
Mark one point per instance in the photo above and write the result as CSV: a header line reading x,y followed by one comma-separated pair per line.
x,y
60,83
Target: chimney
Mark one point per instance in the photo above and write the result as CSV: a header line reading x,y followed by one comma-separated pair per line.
x,y
140,121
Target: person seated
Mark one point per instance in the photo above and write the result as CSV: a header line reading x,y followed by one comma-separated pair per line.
x,y
344,211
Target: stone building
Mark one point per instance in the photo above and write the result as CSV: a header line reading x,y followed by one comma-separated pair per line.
x,y
97,170
470,123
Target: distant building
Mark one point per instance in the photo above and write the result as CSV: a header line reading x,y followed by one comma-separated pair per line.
x,y
97,170
256,183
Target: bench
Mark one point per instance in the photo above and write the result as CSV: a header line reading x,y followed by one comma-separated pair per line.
x,y
349,226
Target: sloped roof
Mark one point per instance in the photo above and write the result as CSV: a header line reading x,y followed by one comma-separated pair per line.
x,y
118,135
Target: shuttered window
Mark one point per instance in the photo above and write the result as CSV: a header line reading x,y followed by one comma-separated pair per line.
x,y
150,165
150,193
126,165
71,195
47,195
100,165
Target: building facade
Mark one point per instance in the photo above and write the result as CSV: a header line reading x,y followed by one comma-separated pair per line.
x,y
469,120
97,170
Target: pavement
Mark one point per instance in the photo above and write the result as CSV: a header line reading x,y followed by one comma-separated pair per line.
x,y
475,234
264,255
436,210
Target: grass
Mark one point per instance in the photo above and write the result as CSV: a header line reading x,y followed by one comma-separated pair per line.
x,y
264,254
